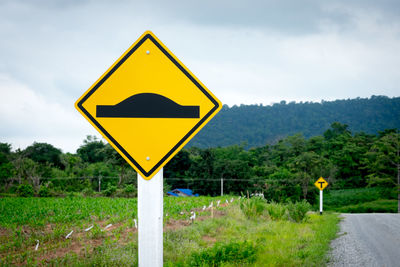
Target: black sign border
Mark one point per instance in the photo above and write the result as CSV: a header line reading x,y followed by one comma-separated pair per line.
x,y
170,57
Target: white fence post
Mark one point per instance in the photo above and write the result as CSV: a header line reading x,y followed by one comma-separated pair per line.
x,y
222,186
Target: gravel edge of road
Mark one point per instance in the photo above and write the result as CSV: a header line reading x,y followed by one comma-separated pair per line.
x,y
346,250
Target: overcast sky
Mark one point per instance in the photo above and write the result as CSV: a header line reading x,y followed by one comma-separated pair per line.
x,y
245,52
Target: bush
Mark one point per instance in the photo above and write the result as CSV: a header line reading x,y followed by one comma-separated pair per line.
x,y
73,194
87,192
276,211
253,207
234,252
25,190
110,191
297,212
130,190
44,192
388,193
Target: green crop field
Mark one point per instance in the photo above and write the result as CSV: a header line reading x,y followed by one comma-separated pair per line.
x,y
102,232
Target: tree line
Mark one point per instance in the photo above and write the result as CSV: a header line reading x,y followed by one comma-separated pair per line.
x,y
282,171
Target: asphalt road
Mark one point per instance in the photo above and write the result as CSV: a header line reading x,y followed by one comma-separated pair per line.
x,y
367,240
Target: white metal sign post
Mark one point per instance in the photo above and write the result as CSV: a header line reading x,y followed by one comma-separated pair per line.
x,y
320,201
150,220
321,184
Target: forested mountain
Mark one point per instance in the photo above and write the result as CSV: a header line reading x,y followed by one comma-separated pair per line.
x,y
257,125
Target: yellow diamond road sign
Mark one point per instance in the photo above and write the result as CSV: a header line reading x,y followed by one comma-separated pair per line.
x,y
321,183
148,105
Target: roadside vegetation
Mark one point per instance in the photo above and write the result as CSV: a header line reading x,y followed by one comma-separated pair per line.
x,y
80,208
284,171
237,232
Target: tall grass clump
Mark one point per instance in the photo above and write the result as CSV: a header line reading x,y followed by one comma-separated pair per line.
x,y
253,207
276,211
297,212
238,253
25,190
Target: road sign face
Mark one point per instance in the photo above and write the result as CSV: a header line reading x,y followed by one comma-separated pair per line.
x,y
321,183
148,105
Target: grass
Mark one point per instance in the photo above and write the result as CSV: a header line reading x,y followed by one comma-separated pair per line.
x,y
381,205
241,233
361,200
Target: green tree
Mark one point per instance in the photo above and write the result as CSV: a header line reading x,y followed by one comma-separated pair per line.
x,y
282,186
6,168
27,170
336,130
307,167
73,164
179,165
5,148
345,152
44,153
126,173
99,169
384,161
233,163
92,150
202,168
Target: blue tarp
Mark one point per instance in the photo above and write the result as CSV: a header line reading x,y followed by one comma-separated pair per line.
x,y
180,192
172,194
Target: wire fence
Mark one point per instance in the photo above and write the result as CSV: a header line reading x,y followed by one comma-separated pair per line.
x,y
201,185
267,180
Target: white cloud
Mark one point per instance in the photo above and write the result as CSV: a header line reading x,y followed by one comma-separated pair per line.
x,y
27,116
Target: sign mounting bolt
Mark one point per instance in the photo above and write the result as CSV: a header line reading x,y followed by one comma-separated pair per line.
x,y
148,158
147,52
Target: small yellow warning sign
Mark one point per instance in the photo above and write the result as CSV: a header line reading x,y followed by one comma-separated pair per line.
x,y
321,183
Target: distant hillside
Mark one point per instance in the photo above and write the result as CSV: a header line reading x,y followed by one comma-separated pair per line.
x,y
258,125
